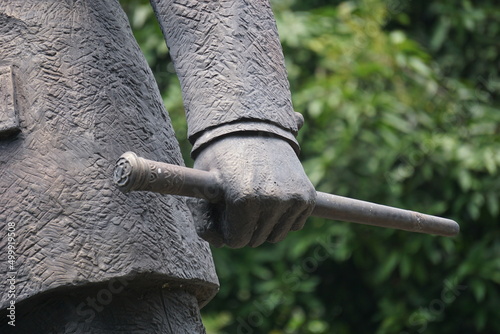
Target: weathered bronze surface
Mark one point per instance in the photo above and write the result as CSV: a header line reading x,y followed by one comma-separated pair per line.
x,y
76,92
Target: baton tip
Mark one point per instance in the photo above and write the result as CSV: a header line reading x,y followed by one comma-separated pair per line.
x,y
452,229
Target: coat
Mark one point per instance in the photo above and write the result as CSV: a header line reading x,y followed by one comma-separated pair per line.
x,y
78,93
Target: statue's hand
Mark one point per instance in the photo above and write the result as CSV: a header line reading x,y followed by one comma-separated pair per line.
x,y
266,192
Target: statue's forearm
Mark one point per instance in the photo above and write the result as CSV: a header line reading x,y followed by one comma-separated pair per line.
x,y
230,64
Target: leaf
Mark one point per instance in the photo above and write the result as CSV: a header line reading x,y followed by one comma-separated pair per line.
x,y
493,203
387,267
440,34
465,179
479,289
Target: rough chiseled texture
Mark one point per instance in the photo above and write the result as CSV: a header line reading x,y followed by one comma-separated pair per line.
x,y
229,61
84,95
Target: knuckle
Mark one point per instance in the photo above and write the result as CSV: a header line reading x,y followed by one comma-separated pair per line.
x,y
244,198
302,201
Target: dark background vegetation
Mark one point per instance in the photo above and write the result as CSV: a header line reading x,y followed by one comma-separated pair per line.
x,y
401,101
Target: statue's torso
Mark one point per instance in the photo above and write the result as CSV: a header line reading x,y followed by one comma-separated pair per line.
x,y
83,95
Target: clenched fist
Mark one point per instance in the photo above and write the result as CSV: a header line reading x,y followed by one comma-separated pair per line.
x,y
266,192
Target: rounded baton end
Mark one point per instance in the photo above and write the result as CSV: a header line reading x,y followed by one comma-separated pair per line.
x,y
130,172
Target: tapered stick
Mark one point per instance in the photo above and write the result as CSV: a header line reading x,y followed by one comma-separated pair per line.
x,y
133,173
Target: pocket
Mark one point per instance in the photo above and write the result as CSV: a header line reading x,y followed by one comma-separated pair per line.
x,y
9,118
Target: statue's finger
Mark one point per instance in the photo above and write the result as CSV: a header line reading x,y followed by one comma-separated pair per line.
x,y
301,219
265,225
238,223
281,229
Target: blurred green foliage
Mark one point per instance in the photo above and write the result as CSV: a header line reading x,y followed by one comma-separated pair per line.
x,y
401,101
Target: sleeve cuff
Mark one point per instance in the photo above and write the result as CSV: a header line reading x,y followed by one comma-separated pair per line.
x,y
258,128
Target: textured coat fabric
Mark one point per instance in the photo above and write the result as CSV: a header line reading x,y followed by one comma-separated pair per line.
x,y
83,95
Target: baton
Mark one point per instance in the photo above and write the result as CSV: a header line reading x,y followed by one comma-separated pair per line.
x,y
133,173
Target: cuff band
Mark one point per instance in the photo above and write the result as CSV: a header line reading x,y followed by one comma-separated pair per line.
x,y
263,129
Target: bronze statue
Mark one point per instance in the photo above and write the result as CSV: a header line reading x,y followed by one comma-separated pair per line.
x,y
78,255
75,93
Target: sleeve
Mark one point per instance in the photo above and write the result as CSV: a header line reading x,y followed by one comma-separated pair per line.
x,y
230,64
